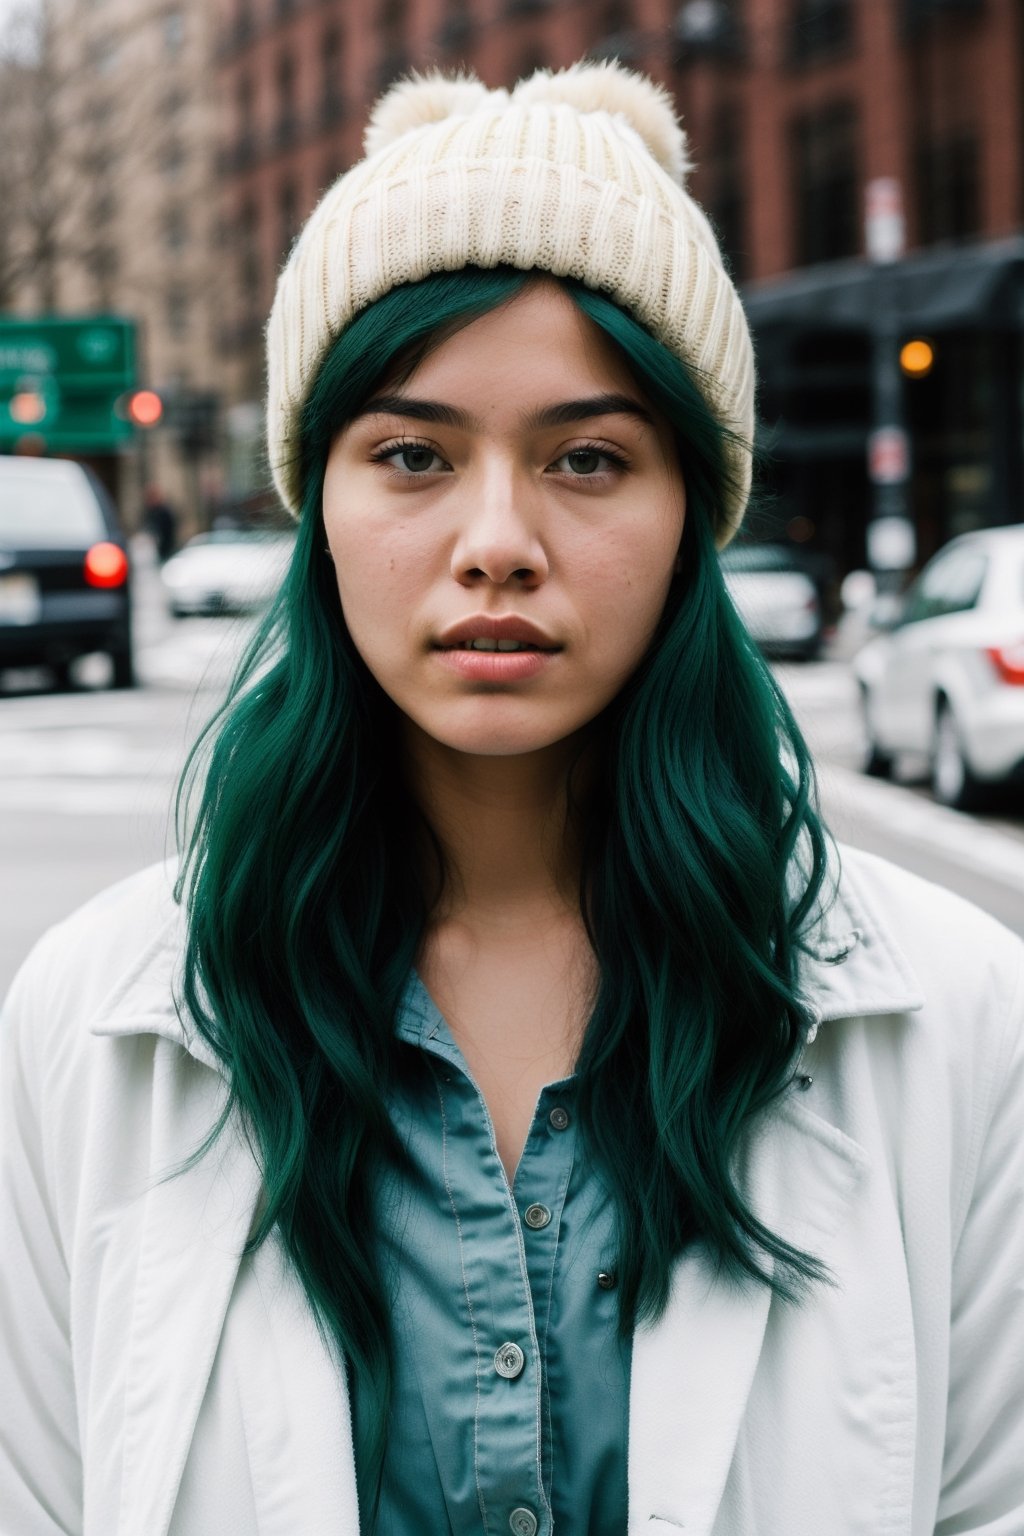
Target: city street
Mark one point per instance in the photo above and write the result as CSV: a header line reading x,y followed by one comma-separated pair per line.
x,y
87,778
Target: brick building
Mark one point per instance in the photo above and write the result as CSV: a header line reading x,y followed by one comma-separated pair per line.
x,y
793,107
833,95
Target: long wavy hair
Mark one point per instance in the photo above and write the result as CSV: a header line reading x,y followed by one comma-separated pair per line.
x,y
305,911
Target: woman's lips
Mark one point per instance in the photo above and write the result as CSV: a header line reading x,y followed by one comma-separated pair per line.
x,y
494,666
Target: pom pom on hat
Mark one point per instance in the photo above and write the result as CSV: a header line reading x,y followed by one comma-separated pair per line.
x,y
425,98
609,87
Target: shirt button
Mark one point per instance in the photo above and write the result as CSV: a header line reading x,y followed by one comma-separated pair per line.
x,y
523,1522
558,1118
509,1361
536,1216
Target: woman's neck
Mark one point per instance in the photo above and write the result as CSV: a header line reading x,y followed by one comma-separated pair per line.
x,y
502,823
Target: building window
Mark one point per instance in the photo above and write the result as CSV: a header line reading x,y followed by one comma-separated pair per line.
x,y
616,36
514,8
288,214
286,120
175,229
457,27
823,157
103,263
104,208
947,189
818,30
725,204
244,100
330,171
177,312
174,32
249,257
172,159
331,97
243,27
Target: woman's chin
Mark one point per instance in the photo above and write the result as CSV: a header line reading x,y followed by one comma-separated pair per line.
x,y
496,737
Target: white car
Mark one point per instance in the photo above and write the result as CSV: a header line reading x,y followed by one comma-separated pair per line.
x,y
776,597
947,681
231,570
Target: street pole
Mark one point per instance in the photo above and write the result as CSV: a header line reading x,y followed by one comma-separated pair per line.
x,y
891,537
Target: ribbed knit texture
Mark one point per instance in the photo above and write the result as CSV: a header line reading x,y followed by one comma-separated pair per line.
x,y
578,174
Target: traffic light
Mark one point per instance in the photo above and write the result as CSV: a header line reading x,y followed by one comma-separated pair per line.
x,y
27,408
144,408
917,357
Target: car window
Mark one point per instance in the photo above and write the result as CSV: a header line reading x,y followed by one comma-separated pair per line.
x,y
951,583
756,557
47,511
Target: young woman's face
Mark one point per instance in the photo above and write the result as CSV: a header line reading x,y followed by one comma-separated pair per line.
x,y
516,490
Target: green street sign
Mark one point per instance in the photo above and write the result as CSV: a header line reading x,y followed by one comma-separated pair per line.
x,y
93,353
61,379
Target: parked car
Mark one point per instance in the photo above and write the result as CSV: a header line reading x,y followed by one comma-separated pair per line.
x,y
776,596
947,680
64,572
231,570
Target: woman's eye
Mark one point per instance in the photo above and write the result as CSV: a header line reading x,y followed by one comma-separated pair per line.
x,y
413,458
586,463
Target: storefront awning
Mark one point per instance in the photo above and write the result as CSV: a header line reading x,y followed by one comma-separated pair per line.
x,y
962,287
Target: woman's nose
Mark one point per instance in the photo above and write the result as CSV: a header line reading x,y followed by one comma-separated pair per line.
x,y
499,534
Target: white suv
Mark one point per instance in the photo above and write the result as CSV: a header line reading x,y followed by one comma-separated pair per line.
x,y
947,681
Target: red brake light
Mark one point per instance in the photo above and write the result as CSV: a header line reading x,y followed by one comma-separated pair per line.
x,y
106,565
1009,661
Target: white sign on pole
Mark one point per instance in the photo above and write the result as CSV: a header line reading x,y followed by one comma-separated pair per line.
x,y
884,230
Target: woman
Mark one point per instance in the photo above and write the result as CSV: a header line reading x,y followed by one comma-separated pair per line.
x,y
456,1147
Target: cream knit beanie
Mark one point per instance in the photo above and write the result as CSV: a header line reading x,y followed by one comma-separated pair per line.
x,y
579,173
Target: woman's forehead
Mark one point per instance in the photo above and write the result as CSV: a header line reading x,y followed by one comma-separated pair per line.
x,y
536,340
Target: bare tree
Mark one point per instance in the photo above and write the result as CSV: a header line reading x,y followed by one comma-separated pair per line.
x,y
68,133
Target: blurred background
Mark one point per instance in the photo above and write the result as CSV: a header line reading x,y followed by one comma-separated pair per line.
x,y
863,164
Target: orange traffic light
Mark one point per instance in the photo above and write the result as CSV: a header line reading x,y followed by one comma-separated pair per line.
x,y
145,408
917,358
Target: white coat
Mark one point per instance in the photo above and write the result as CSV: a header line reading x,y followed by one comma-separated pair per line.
x,y
153,1383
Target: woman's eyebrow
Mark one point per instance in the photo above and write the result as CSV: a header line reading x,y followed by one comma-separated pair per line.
x,y
560,415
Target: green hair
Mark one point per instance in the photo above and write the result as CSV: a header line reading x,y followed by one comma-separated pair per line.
x,y
305,913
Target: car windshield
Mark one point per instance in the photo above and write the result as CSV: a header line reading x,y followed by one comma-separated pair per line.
x,y
47,510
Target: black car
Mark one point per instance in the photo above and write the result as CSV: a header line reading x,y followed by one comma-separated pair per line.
x,y
64,575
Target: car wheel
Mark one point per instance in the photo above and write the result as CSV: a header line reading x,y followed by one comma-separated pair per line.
x,y
953,783
124,667
877,764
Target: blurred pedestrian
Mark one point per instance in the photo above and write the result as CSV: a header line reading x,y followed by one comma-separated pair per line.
x,y
520,1116
161,523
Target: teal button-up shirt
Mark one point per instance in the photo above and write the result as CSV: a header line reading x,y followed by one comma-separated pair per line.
x,y
511,1393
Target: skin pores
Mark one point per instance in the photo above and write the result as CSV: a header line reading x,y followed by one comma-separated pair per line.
x,y
495,512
